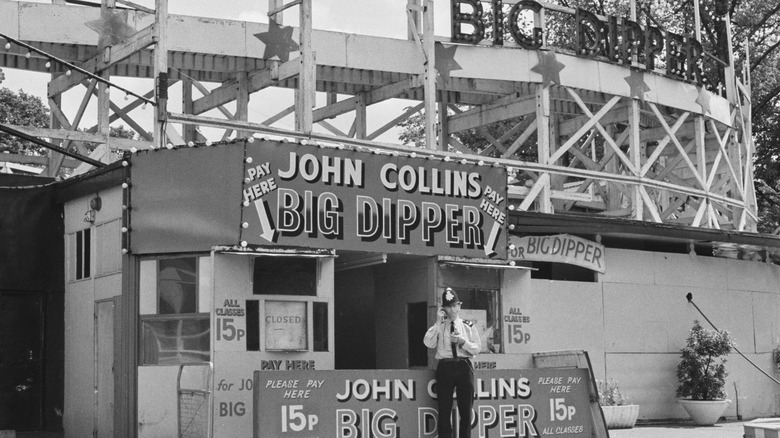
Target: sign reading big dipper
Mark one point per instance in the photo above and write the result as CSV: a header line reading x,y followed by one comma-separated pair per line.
x,y
304,195
401,404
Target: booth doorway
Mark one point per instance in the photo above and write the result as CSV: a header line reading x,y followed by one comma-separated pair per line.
x,y
104,368
21,361
380,310
355,319
416,323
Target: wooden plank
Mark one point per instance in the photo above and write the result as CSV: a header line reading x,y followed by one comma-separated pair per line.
x,y
78,136
103,60
722,146
258,80
387,126
677,144
638,195
594,119
543,148
649,204
67,162
360,117
160,68
662,144
242,102
429,85
504,108
307,85
522,139
541,184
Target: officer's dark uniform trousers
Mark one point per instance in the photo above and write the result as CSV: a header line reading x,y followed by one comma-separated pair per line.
x,y
455,374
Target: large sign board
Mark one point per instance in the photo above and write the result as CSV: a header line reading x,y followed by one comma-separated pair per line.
x,y
621,38
401,404
561,248
304,195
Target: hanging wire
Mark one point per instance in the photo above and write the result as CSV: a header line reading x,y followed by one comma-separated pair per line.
x,y
75,67
690,300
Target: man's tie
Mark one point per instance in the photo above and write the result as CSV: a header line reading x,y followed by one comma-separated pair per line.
x,y
453,345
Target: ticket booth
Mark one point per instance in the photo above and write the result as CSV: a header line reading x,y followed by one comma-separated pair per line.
x,y
332,260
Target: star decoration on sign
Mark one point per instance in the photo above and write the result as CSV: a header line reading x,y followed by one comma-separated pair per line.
x,y
112,27
278,41
548,67
637,83
445,60
704,100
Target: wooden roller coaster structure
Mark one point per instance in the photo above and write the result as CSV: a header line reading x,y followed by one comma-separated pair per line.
x,y
610,133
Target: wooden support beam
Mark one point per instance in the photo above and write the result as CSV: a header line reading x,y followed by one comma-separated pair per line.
x,y
403,116
279,9
333,129
190,134
504,108
67,162
529,130
242,102
542,185
280,115
307,86
371,97
65,123
444,127
638,193
258,80
429,44
55,158
360,117
107,57
682,151
78,136
594,120
662,144
160,72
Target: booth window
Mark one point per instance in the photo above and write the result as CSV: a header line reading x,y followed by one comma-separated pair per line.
x,y
288,316
177,333
81,242
480,290
562,272
482,307
285,276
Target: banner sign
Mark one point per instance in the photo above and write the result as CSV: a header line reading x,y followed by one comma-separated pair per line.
x,y
301,195
561,248
402,404
683,56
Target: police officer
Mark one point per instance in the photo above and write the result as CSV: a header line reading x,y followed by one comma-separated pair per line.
x,y
456,342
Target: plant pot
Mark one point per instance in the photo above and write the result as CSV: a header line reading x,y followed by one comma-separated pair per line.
x,y
620,417
705,412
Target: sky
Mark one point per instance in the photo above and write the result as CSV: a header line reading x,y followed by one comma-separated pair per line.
x,y
385,18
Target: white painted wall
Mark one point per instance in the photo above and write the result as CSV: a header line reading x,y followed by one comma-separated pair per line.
x,y
80,297
635,321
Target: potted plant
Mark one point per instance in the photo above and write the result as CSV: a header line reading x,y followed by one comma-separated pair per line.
x,y
702,374
618,413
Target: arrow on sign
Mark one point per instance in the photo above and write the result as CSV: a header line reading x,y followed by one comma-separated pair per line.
x,y
269,233
490,245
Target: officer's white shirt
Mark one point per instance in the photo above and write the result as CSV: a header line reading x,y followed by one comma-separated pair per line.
x,y
438,337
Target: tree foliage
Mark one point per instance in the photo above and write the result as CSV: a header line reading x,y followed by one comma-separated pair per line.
x,y
21,109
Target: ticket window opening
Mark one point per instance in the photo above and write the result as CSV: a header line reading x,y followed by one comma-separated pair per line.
x,y
284,291
372,291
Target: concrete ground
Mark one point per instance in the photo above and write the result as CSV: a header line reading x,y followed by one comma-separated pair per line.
x,y
682,430
675,430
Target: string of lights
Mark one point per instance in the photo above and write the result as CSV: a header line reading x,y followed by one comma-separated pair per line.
x,y
71,66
